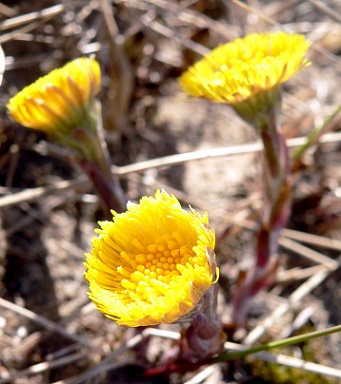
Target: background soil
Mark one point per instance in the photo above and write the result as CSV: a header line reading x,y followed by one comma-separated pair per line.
x,y
43,240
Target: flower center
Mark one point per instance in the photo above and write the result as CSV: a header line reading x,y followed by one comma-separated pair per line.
x,y
156,265
161,259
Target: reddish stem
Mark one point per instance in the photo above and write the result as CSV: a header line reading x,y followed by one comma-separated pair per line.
x,y
276,213
107,187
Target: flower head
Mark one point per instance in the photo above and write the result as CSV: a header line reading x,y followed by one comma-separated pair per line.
x,y
151,264
239,70
58,102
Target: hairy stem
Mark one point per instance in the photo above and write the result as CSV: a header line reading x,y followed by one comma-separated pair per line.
x,y
275,215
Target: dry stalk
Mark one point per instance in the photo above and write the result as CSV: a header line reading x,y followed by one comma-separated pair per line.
x,y
120,73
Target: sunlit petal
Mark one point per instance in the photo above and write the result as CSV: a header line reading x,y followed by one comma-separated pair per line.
x,y
152,263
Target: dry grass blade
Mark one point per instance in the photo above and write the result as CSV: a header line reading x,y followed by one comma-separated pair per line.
x,y
187,16
296,274
294,362
29,60
308,253
202,376
216,152
312,239
169,33
45,323
37,193
326,266
293,300
34,19
33,16
2,64
288,361
121,73
45,366
33,194
7,11
108,363
327,10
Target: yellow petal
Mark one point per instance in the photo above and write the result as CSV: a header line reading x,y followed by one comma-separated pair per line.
x,y
59,100
163,267
244,67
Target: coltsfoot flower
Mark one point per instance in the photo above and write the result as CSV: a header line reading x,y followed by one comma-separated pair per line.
x,y
237,70
151,264
247,69
59,101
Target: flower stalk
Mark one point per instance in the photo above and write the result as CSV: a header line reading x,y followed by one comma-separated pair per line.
x,y
151,264
63,105
247,74
94,160
204,337
275,215
155,264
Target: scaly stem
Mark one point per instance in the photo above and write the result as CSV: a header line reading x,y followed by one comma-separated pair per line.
x,y
91,154
276,212
204,337
106,185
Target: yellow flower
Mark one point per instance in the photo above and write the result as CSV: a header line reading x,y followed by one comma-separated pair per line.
x,y
236,71
152,263
59,101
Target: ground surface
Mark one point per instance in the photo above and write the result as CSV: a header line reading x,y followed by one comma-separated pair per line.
x,y
43,238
